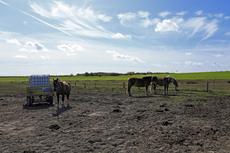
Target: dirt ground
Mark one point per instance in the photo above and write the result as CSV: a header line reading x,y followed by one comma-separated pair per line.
x,y
98,122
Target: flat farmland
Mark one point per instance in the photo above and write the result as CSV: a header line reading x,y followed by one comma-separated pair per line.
x,y
102,118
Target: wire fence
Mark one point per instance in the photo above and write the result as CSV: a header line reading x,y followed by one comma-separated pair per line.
x,y
183,84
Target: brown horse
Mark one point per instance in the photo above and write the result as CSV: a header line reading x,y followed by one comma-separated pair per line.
x,y
165,81
141,82
62,88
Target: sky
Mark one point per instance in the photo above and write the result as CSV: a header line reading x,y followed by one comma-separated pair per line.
x,y
60,37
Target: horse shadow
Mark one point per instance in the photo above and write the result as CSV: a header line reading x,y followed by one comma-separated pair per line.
x,y
149,96
37,106
62,110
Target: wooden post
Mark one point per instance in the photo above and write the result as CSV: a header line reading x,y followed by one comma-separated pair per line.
x,y
84,85
124,85
214,83
208,84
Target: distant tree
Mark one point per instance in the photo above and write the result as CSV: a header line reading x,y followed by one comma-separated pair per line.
x,y
86,74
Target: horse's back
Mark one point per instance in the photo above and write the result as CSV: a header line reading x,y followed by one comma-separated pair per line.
x,y
161,81
67,87
138,82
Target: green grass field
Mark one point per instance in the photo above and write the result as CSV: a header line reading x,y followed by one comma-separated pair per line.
x,y
179,76
187,81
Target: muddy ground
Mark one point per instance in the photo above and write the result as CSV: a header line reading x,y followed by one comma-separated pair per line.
x,y
98,122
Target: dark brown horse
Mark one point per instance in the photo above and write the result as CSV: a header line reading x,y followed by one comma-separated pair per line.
x,y
165,81
141,82
62,88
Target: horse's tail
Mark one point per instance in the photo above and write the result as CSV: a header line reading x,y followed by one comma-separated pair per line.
x,y
69,86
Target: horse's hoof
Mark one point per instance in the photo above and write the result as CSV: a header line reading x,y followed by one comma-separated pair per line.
x,y
68,105
57,108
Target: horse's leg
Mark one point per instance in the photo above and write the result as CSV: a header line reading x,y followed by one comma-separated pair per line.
x,y
67,100
129,90
165,89
57,101
146,89
63,97
155,86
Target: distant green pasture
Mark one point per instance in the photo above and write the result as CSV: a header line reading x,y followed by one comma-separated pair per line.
x,y
179,76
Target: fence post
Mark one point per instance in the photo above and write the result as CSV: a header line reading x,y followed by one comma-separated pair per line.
x,y
75,83
208,84
84,85
214,83
124,85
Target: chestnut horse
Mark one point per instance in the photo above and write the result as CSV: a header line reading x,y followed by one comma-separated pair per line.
x,y
62,88
165,81
141,82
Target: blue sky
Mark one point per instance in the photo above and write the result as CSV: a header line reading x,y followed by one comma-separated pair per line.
x,y
70,37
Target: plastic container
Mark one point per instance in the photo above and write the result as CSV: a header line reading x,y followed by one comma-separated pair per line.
x,y
39,80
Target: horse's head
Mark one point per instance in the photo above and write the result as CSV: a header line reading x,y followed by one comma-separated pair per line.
x,y
55,83
175,82
154,79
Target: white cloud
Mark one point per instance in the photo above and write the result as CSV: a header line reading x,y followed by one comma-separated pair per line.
x,y
158,65
44,57
143,14
210,28
227,17
190,63
127,19
119,35
4,3
70,49
195,24
217,55
188,53
166,25
146,21
33,47
20,56
72,19
13,41
176,63
198,12
164,14
104,18
201,24
181,13
219,15
140,18
227,33
117,56
48,24
214,63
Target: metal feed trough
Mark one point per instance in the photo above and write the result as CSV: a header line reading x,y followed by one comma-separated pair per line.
x,y
39,86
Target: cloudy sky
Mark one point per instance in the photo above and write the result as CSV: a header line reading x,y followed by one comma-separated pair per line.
x,y
70,37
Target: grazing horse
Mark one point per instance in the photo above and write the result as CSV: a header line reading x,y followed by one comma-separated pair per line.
x,y
165,81
62,88
141,82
